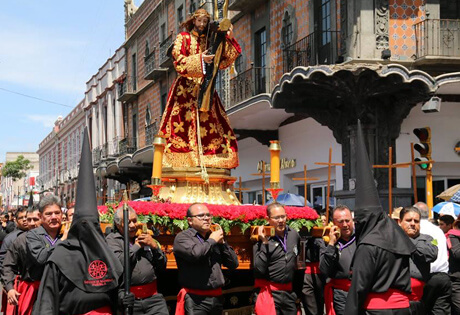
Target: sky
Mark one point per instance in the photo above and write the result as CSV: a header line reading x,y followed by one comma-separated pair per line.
x,y
49,49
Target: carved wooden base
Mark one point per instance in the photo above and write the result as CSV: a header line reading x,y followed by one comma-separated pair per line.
x,y
186,185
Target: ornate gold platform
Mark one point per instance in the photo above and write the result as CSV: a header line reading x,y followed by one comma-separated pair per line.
x,y
185,185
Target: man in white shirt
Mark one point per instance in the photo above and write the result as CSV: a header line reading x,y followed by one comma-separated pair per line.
x,y
437,291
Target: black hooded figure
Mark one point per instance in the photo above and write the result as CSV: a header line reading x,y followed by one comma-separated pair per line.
x,y
82,274
380,278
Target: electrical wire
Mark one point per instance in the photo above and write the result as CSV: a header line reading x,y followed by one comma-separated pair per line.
x,y
36,98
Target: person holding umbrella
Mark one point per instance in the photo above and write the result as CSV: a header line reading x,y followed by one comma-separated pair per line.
x,y
82,274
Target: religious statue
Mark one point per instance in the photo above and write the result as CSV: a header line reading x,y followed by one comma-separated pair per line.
x,y
195,136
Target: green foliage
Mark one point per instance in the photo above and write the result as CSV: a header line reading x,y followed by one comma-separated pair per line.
x,y
16,169
298,224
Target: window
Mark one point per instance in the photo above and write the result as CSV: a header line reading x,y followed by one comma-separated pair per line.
x,y
255,197
147,116
449,9
318,194
288,30
192,8
162,32
260,60
239,64
134,72
164,96
439,185
325,21
147,50
180,16
134,129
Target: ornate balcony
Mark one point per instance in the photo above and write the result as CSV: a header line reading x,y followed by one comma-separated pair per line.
x,y
127,146
314,49
97,156
249,83
127,89
152,70
150,133
437,38
165,58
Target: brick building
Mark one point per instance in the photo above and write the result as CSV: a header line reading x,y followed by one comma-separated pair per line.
x,y
309,69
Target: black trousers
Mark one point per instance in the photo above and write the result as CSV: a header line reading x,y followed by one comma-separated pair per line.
x,y
285,302
203,305
437,294
153,305
312,294
455,296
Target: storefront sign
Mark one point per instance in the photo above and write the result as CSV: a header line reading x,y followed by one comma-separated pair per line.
x,y
284,164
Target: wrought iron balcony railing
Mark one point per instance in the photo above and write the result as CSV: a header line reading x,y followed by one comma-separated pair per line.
x,y
127,146
97,155
437,38
314,49
150,133
164,46
251,82
127,89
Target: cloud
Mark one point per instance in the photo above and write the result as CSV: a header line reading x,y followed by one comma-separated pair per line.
x,y
46,120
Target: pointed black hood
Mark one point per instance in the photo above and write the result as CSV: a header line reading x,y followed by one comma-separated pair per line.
x,y
373,226
31,200
84,258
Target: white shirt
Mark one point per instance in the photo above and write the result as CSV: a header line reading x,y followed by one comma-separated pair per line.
x,y
441,264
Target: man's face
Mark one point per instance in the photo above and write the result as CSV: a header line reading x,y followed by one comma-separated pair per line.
x,y
444,227
21,220
70,214
344,220
33,219
200,218
132,225
200,23
51,218
278,219
410,223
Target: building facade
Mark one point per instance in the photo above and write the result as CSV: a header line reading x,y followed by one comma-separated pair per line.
x,y
309,69
16,193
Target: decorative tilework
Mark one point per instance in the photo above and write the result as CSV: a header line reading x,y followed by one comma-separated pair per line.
x,y
404,14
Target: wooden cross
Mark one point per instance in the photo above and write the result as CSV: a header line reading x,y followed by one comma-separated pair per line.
x,y
305,179
390,168
329,165
240,190
263,174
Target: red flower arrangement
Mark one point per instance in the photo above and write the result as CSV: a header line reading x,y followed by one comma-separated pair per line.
x,y
172,215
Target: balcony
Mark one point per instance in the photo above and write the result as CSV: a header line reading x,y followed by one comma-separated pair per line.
x,y
127,89
127,146
318,48
104,151
152,70
249,83
150,133
165,58
97,156
113,148
440,38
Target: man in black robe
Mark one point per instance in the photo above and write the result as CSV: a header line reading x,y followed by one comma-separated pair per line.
x,y
275,261
18,273
146,259
82,274
200,255
380,277
335,260
425,253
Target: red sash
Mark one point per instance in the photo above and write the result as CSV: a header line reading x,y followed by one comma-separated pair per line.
x,y
417,289
29,291
180,306
340,284
105,310
265,305
391,299
145,290
312,268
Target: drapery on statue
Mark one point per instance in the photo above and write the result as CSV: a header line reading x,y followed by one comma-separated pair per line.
x,y
209,141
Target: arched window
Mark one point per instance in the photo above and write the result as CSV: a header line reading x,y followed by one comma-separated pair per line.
x,y
287,30
148,116
147,50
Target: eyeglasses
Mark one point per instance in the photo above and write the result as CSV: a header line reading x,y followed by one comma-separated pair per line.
x,y
279,218
201,216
